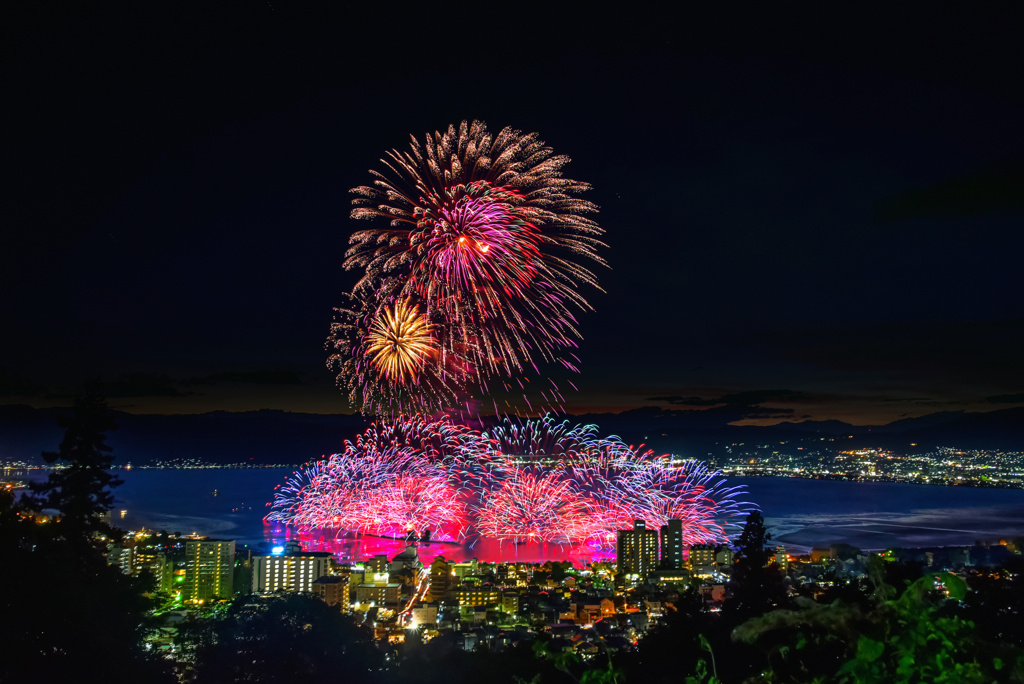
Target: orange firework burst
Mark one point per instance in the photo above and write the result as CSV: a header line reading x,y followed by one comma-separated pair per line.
x,y
399,342
387,357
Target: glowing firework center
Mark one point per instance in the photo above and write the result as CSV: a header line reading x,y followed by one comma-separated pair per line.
x,y
399,342
560,484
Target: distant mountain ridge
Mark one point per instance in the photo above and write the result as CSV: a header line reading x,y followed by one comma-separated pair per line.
x,y
269,436
256,437
681,430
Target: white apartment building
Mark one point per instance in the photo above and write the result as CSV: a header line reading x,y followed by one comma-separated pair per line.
x,y
294,572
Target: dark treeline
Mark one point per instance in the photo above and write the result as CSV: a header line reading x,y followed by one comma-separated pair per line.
x,y
68,616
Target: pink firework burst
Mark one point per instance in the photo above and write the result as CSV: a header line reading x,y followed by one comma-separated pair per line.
x,y
531,507
388,492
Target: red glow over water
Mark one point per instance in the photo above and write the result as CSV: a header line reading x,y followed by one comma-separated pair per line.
x,y
353,548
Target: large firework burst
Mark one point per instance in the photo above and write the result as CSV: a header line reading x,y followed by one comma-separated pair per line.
x,y
606,483
537,480
533,507
487,236
388,480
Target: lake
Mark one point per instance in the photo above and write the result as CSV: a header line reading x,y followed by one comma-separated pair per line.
x,y
800,513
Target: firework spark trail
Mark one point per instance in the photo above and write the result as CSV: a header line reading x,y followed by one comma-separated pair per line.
x,y
486,237
387,492
435,438
529,507
536,480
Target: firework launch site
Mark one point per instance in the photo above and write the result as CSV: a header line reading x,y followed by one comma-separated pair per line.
x,y
523,482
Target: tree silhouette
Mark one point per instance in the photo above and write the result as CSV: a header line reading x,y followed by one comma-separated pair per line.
x,y
277,639
756,586
68,615
81,490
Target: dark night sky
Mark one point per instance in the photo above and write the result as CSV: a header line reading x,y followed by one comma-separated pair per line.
x,y
811,213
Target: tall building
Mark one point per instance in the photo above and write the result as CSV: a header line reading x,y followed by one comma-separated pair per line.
x,y
155,563
702,559
293,572
424,614
477,596
333,591
672,545
466,569
440,579
120,556
134,560
378,589
378,565
209,569
408,559
782,558
510,602
637,551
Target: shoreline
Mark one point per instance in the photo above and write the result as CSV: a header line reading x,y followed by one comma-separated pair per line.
x,y
973,484
725,473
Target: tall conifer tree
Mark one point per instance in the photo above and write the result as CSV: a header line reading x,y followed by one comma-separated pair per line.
x,y
70,617
756,585
81,489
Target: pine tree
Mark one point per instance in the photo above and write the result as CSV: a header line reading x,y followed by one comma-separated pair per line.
x,y
756,586
81,490
752,546
69,615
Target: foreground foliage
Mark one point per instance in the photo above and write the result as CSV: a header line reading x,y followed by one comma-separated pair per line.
x,y
917,636
277,639
65,611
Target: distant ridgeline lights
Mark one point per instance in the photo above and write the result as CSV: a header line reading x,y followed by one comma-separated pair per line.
x,y
531,480
944,466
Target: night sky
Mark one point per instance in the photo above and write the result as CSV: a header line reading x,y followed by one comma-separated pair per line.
x,y
810,213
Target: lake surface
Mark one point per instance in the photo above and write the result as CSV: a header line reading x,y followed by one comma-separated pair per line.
x,y
800,513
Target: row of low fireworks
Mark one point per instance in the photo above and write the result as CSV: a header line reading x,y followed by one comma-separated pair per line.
x,y
532,480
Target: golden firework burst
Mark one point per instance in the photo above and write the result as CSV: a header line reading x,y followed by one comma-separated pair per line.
x,y
399,341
